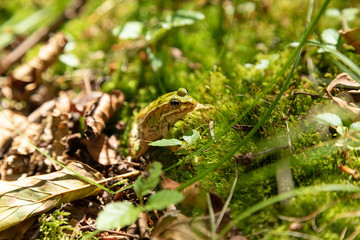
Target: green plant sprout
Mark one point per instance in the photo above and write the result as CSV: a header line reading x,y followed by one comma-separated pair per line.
x,y
189,138
121,214
349,135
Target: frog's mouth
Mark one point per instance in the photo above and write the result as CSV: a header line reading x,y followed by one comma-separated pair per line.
x,y
179,113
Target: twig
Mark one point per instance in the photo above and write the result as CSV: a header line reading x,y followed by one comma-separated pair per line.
x,y
312,95
40,35
121,234
223,210
143,225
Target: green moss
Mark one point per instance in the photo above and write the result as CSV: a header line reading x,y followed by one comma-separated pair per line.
x,y
56,226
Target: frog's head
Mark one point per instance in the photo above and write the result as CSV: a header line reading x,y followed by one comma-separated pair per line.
x,y
175,105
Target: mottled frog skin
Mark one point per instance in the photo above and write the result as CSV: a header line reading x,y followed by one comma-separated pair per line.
x,y
155,120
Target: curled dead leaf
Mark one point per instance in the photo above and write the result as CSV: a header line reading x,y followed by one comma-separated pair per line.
x,y
168,183
28,75
17,231
103,149
15,161
347,98
342,80
174,225
195,199
352,37
7,132
99,111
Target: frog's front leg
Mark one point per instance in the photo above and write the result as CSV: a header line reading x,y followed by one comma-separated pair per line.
x,y
165,128
165,134
137,146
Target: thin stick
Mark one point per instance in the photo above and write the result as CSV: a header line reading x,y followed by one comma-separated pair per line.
x,y
143,225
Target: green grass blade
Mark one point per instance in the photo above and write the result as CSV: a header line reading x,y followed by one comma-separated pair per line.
x,y
343,68
345,60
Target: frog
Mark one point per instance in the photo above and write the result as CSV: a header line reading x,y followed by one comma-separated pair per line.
x,y
155,120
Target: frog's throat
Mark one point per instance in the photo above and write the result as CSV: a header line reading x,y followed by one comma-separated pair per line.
x,y
179,113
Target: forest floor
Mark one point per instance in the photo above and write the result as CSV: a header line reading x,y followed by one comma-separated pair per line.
x,y
250,107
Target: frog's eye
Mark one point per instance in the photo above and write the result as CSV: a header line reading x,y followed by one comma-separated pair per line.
x,y
182,92
175,103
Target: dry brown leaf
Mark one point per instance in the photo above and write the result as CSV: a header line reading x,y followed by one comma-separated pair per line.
x,y
103,149
15,161
98,112
352,37
17,232
347,98
42,111
168,183
7,132
61,105
343,80
22,158
174,225
84,98
195,198
53,141
345,105
23,147
31,196
24,80
31,72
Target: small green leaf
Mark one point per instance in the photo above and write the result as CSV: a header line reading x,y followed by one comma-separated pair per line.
x,y
162,199
246,7
190,14
166,142
329,119
355,126
333,12
341,130
131,30
182,18
263,64
145,186
70,59
155,62
350,13
330,36
191,136
119,214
